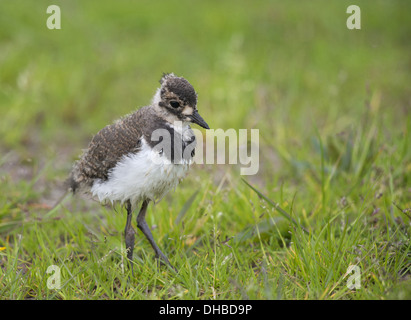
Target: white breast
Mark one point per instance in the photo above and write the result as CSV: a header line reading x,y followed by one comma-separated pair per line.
x,y
145,174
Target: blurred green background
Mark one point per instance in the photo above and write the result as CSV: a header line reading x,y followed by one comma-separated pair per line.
x,y
282,67
332,106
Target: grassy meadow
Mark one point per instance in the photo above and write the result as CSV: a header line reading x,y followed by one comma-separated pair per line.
x,y
332,106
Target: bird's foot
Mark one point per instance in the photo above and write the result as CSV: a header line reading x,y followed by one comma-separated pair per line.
x,y
162,260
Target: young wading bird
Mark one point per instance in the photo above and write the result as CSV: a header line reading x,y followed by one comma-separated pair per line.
x,y
142,156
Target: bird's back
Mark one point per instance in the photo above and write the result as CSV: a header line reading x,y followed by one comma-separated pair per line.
x,y
106,148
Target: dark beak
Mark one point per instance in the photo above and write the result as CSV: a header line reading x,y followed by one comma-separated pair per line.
x,y
196,118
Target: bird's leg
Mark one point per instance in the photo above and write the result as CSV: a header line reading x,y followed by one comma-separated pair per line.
x,y
129,234
142,225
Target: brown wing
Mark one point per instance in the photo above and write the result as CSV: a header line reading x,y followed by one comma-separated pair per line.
x,y
106,148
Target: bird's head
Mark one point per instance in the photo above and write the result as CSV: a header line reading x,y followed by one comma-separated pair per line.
x,y
177,100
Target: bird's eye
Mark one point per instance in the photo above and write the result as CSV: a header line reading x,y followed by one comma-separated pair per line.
x,y
174,104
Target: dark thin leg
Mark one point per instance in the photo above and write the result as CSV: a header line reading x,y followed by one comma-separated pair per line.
x,y
129,234
142,225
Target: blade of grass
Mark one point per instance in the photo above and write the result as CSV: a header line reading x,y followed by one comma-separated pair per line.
x,y
185,207
276,206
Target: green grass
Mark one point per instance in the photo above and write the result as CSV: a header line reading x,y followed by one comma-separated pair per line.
x,y
332,106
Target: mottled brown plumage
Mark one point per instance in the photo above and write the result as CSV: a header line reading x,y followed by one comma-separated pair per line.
x,y
110,144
